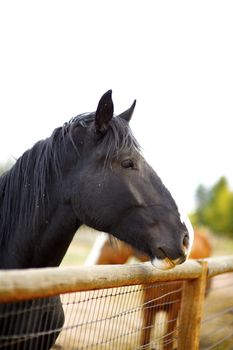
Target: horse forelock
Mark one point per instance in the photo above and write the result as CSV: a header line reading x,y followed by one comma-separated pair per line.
x,y
118,140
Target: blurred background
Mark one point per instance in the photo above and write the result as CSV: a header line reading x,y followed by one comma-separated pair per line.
x,y
175,57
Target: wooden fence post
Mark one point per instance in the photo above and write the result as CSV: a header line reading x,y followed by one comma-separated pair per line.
x,y
191,311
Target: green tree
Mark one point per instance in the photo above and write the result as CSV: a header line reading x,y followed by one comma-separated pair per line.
x,y
215,207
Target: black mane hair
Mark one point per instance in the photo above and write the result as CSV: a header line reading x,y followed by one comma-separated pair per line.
x,y
116,140
23,188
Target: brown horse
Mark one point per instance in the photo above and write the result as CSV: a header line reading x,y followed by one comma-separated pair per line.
x,y
155,299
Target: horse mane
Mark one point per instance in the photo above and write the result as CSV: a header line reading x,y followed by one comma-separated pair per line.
x,y
118,139
115,141
23,188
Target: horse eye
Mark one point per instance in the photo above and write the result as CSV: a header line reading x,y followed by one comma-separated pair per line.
x,y
127,163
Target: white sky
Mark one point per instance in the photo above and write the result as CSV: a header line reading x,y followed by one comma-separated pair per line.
x,y
175,57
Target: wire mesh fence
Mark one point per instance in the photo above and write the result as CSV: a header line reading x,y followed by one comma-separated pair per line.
x,y
31,324
133,317
217,322
115,318
147,313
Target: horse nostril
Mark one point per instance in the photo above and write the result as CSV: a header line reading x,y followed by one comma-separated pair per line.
x,y
186,241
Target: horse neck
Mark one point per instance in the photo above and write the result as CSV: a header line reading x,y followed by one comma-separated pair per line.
x,y
45,247
44,242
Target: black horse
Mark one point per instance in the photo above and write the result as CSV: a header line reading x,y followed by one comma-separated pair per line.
x,y
89,171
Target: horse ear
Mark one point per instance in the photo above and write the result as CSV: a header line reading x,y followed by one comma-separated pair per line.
x,y
104,112
128,114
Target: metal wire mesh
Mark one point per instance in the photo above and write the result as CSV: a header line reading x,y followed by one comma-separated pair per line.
x,y
32,324
115,318
217,323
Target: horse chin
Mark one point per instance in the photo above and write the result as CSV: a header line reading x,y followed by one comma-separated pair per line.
x,y
163,264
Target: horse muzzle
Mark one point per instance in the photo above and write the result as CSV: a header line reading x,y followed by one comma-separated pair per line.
x,y
166,263
168,256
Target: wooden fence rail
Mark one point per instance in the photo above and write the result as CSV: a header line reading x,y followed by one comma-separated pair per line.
x,y
16,285
25,284
34,283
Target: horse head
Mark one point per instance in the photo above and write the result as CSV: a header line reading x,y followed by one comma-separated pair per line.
x,y
116,191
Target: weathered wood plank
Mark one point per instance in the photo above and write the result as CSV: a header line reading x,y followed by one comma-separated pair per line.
x,y
191,311
219,265
34,283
